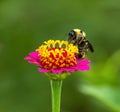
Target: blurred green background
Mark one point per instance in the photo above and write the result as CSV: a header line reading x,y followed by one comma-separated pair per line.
x,y
25,24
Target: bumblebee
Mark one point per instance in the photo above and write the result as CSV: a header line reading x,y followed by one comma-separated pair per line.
x,y
78,38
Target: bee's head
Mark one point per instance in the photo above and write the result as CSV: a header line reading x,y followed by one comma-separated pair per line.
x,y
71,35
74,34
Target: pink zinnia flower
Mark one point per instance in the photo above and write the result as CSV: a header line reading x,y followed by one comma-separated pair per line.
x,y
57,57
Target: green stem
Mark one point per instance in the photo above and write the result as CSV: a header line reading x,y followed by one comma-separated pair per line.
x,y
56,86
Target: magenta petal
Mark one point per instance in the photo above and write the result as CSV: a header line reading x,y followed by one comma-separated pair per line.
x,y
57,71
69,69
33,58
82,68
43,70
63,70
82,64
83,61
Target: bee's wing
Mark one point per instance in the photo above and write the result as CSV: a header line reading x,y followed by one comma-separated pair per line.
x,y
90,47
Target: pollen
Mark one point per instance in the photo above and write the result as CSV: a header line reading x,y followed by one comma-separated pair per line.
x,y
56,54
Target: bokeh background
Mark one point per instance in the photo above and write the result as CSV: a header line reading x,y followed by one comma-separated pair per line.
x,y
25,24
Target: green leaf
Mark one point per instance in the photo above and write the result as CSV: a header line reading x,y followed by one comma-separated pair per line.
x,y
109,96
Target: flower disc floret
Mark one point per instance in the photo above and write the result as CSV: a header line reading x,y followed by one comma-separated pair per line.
x,y
57,54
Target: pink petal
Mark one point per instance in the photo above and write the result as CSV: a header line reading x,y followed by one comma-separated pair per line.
x,y
57,71
33,58
69,69
82,64
43,70
82,68
83,61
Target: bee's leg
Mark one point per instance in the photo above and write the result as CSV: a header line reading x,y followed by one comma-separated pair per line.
x,y
74,42
83,54
79,55
89,46
80,51
79,40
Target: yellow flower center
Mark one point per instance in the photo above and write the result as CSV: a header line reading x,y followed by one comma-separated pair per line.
x,y
57,54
